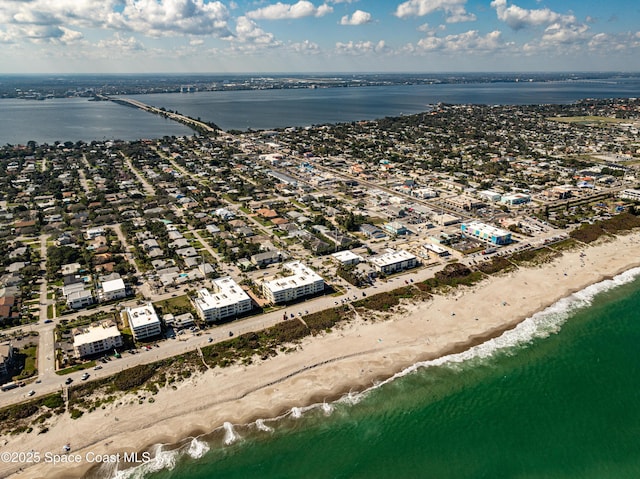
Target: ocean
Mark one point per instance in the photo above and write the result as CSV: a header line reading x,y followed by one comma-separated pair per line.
x,y
556,398
76,119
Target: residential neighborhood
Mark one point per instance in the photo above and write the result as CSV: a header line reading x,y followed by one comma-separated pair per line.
x,y
110,248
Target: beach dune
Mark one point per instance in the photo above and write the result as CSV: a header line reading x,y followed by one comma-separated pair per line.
x,y
351,358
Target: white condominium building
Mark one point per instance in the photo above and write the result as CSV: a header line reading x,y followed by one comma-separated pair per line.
x,y
97,338
143,321
393,261
227,299
303,282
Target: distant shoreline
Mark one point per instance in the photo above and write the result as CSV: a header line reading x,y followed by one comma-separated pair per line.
x,y
41,86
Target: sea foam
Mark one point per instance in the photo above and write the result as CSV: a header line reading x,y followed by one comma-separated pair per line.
x,y
160,459
197,448
230,435
540,325
261,426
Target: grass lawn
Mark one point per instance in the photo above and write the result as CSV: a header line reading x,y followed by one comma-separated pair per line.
x,y
177,305
77,367
30,353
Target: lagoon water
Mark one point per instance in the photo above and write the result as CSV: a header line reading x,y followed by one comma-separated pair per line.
x,y
79,119
266,109
556,398
73,119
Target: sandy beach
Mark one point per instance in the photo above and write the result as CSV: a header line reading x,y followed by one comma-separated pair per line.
x,y
351,358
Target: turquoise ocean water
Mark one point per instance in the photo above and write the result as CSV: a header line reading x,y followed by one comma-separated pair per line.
x,y
556,398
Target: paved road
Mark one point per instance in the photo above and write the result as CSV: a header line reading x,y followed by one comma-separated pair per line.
x,y
148,188
126,248
51,382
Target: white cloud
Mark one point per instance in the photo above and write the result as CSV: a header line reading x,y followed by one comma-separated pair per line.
x,y
467,42
70,36
305,47
248,31
454,9
361,48
282,11
426,28
559,33
152,17
358,17
174,17
121,44
459,16
518,18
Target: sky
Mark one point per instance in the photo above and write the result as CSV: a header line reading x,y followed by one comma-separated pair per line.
x,y
319,36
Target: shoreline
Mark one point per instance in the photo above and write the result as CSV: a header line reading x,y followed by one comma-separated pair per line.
x,y
317,373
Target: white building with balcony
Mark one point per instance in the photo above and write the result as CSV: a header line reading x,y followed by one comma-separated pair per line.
x,y
302,282
393,261
143,321
97,338
227,299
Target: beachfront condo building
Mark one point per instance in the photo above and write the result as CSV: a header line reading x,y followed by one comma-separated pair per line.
x,y
302,281
143,321
227,299
485,232
393,261
95,339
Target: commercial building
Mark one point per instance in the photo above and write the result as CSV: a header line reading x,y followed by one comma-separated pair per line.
x,y
486,232
630,194
463,202
489,195
227,299
435,250
446,219
95,339
424,193
371,231
396,228
393,261
143,321
516,199
302,282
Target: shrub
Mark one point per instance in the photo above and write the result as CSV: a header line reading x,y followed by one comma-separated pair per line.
x,y
134,377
